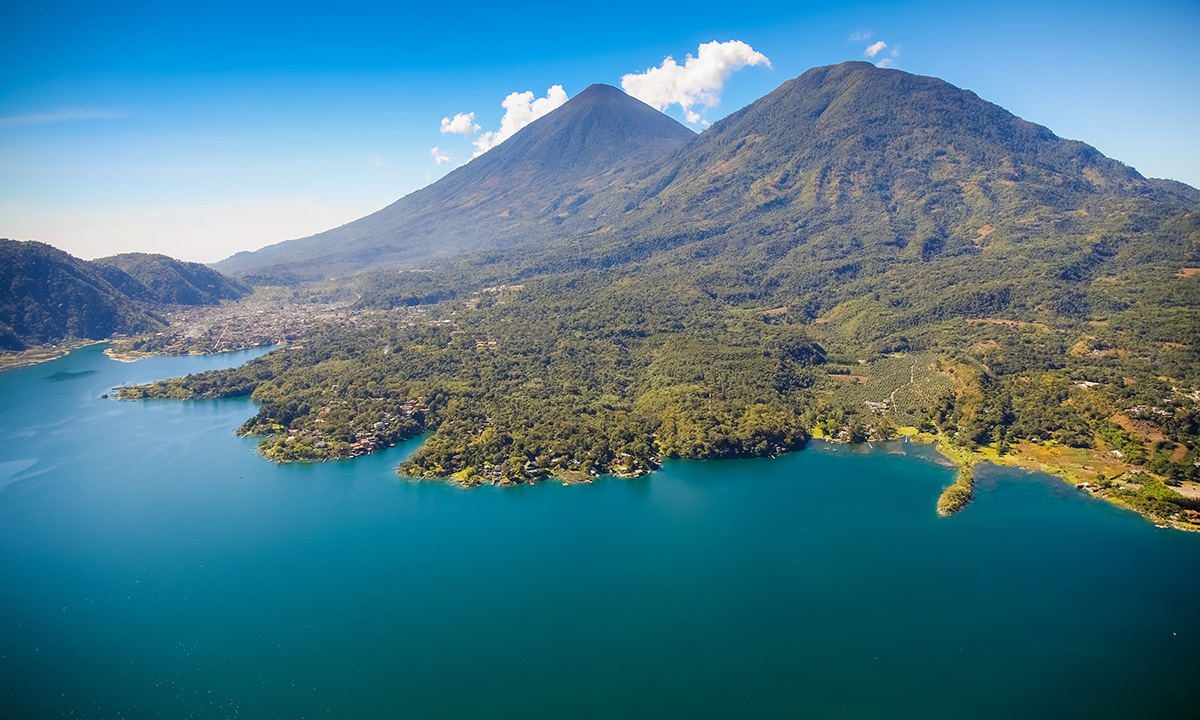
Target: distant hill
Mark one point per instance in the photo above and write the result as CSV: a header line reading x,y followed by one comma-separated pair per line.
x,y
47,295
159,279
521,191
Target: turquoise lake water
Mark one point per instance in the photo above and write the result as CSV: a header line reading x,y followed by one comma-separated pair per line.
x,y
152,565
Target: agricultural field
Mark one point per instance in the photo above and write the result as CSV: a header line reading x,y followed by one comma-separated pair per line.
x,y
904,384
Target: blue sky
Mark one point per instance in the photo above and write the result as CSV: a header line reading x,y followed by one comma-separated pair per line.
x,y
201,129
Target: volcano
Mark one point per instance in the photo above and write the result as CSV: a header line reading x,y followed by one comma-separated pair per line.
x,y
520,191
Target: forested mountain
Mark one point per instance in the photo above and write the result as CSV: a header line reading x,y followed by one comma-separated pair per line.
x,y
47,295
861,249
844,171
902,197
881,199
518,192
159,279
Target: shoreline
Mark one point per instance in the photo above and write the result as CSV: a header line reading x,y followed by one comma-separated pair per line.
x,y
1079,471
568,477
1078,467
129,356
1088,469
126,357
953,499
39,355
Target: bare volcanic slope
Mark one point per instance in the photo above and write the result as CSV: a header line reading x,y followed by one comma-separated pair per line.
x,y
521,191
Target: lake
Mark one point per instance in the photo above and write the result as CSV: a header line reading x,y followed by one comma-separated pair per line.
x,y
153,565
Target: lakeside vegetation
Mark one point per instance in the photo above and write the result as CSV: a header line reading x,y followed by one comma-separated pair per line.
x,y
912,257
594,373
46,353
957,495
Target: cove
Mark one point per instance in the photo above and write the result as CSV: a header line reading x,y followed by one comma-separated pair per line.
x,y
154,566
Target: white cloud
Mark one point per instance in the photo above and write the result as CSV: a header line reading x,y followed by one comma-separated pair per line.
x,y
890,60
520,109
698,82
874,50
462,123
861,35
376,159
438,157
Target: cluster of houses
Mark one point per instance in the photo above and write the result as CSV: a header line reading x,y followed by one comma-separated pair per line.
x,y
366,444
408,408
246,324
1146,411
625,471
496,475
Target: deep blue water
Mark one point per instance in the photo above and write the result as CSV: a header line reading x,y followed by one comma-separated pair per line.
x,y
152,565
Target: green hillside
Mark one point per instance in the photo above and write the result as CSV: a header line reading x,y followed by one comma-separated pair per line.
x,y
48,296
159,279
859,251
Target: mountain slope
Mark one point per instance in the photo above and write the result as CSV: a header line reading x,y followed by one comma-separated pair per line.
x,y
160,279
902,196
519,191
47,295
847,144
860,250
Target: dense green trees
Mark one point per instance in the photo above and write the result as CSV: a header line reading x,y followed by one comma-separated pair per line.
x,y
48,296
910,256
608,371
